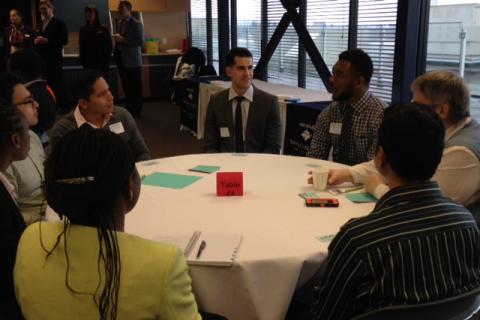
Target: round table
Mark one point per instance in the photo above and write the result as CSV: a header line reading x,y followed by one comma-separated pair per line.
x,y
279,248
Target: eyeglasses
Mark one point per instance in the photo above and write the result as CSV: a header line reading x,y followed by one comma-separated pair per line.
x,y
28,101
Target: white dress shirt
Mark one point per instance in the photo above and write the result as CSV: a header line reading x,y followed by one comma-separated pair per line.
x,y
458,173
248,95
80,119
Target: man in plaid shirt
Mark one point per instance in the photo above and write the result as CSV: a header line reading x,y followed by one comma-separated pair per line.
x,y
349,124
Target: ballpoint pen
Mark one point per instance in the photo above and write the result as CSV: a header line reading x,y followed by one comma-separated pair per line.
x,y
203,244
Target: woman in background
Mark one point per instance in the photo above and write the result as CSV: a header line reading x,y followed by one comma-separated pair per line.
x,y
86,267
14,144
95,43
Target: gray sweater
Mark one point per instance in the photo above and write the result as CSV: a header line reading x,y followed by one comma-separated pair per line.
x,y
131,135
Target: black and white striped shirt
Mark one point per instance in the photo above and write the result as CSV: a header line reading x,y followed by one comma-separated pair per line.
x,y
415,247
366,119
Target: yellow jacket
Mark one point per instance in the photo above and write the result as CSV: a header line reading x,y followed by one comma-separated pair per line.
x,y
154,282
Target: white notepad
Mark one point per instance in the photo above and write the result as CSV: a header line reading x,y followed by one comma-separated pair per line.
x,y
220,249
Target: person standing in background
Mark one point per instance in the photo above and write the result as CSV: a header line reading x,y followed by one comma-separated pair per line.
x,y
51,38
17,36
95,43
128,55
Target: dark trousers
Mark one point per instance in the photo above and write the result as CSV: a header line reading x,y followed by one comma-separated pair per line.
x,y
132,87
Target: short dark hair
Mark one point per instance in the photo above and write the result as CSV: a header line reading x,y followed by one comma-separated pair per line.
x,y
236,52
127,4
8,82
27,64
361,63
18,11
98,21
83,83
412,137
11,121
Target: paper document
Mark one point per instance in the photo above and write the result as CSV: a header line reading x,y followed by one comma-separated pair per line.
x,y
210,249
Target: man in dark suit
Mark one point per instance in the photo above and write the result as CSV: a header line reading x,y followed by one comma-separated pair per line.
x,y
128,55
51,38
242,118
17,36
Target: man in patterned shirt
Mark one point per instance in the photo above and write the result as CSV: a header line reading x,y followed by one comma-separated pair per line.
x,y
416,246
349,124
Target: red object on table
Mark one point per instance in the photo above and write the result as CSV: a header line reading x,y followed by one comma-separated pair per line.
x,y
229,184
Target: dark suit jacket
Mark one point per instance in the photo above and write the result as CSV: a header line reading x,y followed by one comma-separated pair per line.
x,y
95,47
129,53
263,124
57,35
11,228
28,36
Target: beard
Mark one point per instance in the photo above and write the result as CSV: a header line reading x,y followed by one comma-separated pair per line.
x,y
346,94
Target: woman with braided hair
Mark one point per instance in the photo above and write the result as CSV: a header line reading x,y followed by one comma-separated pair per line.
x,y
86,267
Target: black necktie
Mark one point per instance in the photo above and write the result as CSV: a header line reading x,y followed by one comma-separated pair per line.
x,y
239,126
346,136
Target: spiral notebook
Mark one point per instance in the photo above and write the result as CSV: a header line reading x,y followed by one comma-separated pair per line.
x,y
219,250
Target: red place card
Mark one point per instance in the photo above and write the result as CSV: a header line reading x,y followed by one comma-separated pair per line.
x,y
229,184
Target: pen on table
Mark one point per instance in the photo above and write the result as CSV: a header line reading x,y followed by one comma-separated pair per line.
x,y
201,248
354,189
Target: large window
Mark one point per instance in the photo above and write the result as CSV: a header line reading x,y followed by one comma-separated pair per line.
x,y
199,24
454,43
249,33
327,22
376,35
283,66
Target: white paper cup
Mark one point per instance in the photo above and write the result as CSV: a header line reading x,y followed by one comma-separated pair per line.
x,y
320,178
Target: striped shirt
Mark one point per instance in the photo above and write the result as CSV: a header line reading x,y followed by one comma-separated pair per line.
x,y
366,119
415,247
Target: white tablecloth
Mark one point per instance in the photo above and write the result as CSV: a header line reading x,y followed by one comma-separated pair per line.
x,y
278,229
279,90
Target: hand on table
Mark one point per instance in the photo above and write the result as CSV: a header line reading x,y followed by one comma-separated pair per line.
x,y
373,181
335,176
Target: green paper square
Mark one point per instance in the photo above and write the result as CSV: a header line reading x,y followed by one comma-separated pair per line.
x,y
169,180
361,197
205,169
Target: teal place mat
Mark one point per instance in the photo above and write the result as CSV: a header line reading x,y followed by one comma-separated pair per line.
x,y
169,180
205,169
361,197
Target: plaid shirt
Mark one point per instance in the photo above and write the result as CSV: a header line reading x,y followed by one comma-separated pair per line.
x,y
367,117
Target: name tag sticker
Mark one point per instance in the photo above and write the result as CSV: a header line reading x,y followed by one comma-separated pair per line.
x,y
335,128
224,132
117,128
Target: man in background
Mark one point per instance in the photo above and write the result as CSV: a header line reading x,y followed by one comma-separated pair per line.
x,y
348,126
17,36
128,55
51,38
242,118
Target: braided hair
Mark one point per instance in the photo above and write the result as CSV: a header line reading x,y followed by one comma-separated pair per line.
x,y
84,176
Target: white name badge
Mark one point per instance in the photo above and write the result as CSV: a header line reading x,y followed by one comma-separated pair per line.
x,y
224,132
335,128
117,128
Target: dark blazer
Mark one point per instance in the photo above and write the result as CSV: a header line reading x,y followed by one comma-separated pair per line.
x,y
28,36
129,53
95,46
57,34
263,124
11,228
